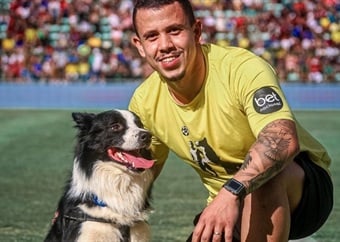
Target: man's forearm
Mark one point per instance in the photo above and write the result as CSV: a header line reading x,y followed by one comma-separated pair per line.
x,y
276,146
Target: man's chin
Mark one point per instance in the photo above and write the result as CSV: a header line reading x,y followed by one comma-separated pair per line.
x,y
173,77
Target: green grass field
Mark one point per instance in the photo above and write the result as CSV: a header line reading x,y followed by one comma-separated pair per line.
x,y
36,148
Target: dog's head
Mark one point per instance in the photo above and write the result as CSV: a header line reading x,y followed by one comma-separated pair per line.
x,y
116,135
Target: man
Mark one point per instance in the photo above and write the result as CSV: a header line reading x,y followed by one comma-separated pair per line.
x,y
222,111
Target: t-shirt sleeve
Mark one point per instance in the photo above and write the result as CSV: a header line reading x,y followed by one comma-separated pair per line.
x,y
260,95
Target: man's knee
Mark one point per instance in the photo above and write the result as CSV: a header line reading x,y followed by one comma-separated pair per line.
x,y
285,189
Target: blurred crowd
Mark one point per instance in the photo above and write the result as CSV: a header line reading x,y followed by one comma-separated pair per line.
x,y
89,40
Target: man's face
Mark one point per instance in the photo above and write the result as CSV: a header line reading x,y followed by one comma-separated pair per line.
x,y
167,40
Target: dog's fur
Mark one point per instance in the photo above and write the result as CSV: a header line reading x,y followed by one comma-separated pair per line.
x,y
107,196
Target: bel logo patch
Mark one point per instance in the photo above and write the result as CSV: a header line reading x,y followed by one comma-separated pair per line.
x,y
266,100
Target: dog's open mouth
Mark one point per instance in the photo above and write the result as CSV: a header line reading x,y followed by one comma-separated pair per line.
x,y
131,159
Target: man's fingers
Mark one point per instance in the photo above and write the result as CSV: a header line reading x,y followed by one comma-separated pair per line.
x,y
217,235
202,232
228,235
196,235
206,235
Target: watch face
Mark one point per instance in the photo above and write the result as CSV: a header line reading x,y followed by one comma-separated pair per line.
x,y
236,186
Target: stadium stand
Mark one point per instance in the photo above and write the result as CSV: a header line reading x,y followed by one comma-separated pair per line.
x,y
89,40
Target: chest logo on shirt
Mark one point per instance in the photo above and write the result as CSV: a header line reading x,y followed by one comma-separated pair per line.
x,y
266,100
185,130
203,154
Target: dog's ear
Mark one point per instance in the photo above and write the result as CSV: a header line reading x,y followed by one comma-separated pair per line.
x,y
83,120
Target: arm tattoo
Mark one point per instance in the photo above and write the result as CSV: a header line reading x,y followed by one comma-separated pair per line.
x,y
272,150
276,138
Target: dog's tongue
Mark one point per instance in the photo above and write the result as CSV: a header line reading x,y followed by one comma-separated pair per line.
x,y
138,162
127,158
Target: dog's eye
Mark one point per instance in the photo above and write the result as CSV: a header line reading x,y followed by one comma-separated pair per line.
x,y
116,127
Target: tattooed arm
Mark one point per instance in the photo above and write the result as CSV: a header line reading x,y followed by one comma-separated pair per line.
x,y
276,146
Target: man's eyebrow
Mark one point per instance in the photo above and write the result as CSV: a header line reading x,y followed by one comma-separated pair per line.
x,y
176,26
148,33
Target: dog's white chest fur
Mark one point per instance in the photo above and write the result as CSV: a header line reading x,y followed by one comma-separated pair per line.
x,y
91,232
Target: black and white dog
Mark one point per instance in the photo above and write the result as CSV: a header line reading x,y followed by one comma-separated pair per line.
x,y
108,195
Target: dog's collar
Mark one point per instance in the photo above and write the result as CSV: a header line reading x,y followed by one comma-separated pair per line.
x,y
78,215
97,201
82,217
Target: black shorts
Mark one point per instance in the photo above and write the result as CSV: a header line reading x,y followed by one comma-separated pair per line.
x,y
317,200
316,203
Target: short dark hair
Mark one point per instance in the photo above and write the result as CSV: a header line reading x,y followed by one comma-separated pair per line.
x,y
185,4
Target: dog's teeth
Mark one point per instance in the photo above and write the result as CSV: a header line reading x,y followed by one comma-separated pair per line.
x,y
122,158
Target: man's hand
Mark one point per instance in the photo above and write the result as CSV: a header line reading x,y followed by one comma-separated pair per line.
x,y
218,219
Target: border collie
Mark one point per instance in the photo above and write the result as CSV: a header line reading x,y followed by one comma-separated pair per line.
x,y
107,197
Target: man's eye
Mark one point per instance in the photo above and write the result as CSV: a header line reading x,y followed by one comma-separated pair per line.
x,y
151,37
175,31
116,127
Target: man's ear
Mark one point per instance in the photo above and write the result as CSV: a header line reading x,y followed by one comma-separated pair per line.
x,y
137,43
198,30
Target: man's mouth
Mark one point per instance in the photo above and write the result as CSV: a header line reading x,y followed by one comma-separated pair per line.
x,y
131,159
170,63
168,59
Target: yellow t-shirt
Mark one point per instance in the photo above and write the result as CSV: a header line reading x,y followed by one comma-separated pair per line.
x,y
214,132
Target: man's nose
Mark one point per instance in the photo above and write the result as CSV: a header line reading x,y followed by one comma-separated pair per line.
x,y
165,42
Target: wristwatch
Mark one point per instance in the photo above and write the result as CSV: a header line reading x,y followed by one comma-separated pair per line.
x,y
235,187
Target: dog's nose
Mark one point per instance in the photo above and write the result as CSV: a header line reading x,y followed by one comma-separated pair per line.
x,y
145,136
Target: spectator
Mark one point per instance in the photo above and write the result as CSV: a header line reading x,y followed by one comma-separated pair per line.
x,y
282,32
96,60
